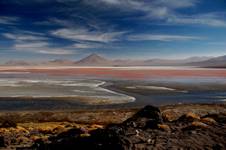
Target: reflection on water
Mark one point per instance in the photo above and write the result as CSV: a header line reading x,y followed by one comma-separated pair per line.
x,y
190,80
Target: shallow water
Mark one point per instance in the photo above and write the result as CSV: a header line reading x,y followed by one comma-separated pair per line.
x,y
63,88
171,90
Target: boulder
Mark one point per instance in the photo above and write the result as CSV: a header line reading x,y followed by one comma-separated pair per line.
x,y
199,124
196,125
148,117
150,112
168,117
189,117
164,127
220,118
209,121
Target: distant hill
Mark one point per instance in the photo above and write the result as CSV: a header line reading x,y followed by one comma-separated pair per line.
x,y
197,59
128,62
174,62
94,60
60,62
213,62
97,60
17,63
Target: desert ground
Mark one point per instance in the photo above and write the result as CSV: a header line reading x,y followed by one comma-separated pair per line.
x,y
85,129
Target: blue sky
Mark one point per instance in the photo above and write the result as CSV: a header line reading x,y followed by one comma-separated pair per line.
x,y
136,29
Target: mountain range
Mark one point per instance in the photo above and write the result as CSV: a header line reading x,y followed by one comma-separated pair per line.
x,y
97,60
94,60
219,62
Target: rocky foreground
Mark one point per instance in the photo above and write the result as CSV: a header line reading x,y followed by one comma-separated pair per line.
x,y
172,127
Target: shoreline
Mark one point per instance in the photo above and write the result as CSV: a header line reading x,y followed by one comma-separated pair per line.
x,y
2,67
141,97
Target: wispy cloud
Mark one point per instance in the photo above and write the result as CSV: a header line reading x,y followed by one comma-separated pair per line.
x,y
36,43
43,48
176,4
151,8
83,34
146,5
165,11
162,37
8,20
209,19
24,37
54,51
86,45
56,21
23,45
218,43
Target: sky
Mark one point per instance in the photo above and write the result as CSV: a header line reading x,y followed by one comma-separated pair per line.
x,y
131,29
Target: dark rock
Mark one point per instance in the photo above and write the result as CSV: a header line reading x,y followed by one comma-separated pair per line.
x,y
24,148
39,144
149,112
148,117
196,125
189,117
218,147
2,141
8,124
72,133
143,131
108,138
220,118
209,121
164,127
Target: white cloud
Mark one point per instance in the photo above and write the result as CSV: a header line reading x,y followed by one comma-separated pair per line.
x,y
55,51
83,34
161,37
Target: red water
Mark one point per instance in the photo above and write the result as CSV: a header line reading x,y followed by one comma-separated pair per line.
x,y
127,73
